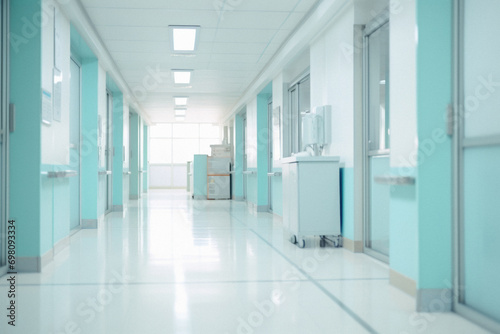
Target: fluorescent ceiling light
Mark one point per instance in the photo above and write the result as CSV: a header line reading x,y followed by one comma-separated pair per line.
x,y
179,118
181,100
180,112
182,77
184,38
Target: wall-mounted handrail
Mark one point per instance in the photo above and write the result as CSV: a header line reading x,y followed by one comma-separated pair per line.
x,y
274,174
249,172
395,180
61,174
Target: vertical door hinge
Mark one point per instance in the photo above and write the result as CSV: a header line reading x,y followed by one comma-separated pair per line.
x,y
450,120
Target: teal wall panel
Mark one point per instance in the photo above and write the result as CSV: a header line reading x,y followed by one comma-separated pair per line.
x,y
200,175
46,211
89,150
347,201
262,150
134,156
434,182
145,175
404,226
237,177
118,148
61,209
25,148
252,186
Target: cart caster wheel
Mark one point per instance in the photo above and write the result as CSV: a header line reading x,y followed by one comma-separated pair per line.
x,y
293,239
322,243
301,243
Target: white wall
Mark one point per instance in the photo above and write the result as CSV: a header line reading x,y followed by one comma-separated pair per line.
x,y
367,10
332,83
101,111
296,67
251,143
55,137
278,92
403,80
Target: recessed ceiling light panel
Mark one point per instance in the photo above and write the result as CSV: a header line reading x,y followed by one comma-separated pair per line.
x,y
181,100
184,38
180,112
182,77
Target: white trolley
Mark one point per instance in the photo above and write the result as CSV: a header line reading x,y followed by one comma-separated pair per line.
x,y
311,198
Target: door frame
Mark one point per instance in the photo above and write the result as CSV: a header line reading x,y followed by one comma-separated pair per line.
x,y
458,175
245,132
109,152
270,153
4,136
74,59
378,22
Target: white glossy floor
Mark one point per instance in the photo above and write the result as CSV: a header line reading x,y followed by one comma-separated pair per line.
x,y
173,265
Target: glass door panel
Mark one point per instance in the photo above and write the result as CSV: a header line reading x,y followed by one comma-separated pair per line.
x,y
377,136
74,162
478,152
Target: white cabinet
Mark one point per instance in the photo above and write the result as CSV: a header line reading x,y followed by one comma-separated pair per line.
x,y
311,198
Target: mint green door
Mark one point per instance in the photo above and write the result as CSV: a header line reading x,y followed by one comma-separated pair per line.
x,y
377,141
478,171
74,137
4,120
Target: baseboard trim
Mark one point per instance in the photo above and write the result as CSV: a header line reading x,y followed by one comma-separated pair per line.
x,y
117,208
403,283
61,245
353,246
29,264
434,300
262,208
46,258
89,224
200,197
37,263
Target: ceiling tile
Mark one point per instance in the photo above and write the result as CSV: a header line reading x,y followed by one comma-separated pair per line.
x,y
236,42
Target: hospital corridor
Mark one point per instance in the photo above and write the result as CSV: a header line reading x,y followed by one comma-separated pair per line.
x,y
249,166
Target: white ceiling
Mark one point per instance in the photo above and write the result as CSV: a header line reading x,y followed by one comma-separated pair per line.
x,y
237,39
